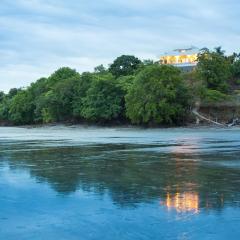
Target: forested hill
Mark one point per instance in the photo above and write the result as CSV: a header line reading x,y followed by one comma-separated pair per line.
x,y
129,91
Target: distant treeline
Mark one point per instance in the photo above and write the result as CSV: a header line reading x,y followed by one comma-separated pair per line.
x,y
129,91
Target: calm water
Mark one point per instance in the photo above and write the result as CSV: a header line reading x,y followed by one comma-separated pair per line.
x,y
62,183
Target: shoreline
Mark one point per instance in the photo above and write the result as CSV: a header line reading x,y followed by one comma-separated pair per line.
x,y
130,126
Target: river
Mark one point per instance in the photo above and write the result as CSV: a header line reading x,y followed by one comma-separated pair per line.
x,y
71,183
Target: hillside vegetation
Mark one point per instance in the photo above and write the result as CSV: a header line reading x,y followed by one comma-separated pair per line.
x,y
129,91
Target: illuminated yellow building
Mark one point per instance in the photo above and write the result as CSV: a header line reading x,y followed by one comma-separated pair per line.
x,y
182,57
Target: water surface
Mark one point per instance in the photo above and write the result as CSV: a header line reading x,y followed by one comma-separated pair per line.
x,y
70,183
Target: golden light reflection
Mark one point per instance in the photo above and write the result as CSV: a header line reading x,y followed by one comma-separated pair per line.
x,y
186,145
182,202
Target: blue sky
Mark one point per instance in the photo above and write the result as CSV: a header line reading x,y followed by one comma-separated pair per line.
x,y
39,36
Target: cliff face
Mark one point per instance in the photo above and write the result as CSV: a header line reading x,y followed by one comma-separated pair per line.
x,y
218,111
221,114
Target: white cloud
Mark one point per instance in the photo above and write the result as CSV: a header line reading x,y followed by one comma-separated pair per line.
x,y
41,6
38,36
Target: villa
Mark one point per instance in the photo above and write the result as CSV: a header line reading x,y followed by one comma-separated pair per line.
x,y
184,58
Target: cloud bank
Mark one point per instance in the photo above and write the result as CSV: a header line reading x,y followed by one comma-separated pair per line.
x,y
39,36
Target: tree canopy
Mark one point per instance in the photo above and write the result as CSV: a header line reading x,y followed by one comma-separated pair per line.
x,y
158,96
124,65
103,101
215,68
129,91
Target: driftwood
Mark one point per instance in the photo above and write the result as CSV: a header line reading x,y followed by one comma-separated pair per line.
x,y
200,116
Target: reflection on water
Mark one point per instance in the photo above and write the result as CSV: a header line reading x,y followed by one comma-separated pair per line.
x,y
70,182
182,202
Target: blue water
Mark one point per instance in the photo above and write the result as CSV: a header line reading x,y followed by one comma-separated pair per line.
x,y
70,183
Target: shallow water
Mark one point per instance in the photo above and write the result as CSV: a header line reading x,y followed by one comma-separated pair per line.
x,y
70,183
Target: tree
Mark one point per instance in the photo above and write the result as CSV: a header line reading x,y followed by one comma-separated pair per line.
x,y
125,82
100,69
57,104
54,101
215,69
103,101
61,74
236,67
12,92
64,93
37,90
80,92
157,96
39,87
4,109
2,95
124,65
21,109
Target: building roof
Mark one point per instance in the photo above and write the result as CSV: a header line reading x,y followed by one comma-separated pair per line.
x,y
182,51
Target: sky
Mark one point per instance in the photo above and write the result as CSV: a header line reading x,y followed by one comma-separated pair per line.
x,y
39,36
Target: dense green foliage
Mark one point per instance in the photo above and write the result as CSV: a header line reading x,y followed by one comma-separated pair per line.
x,y
103,101
218,74
124,65
215,69
158,95
128,91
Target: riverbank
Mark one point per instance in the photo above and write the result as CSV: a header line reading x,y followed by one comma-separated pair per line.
x,y
125,126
